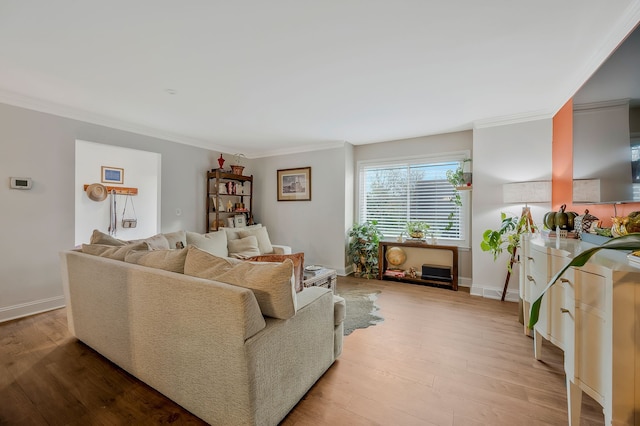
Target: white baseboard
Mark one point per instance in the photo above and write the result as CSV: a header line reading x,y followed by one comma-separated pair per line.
x,y
495,293
30,308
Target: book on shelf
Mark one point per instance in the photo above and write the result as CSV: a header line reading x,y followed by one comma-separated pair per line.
x,y
394,273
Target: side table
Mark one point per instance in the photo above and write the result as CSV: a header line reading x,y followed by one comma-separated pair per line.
x,y
324,277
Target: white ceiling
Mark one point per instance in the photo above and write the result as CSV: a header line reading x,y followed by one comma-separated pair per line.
x,y
270,77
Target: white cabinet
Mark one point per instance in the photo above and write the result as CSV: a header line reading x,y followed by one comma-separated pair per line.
x,y
591,315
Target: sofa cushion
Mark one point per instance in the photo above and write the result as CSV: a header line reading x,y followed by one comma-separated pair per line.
x,y
243,248
177,239
98,237
234,233
157,242
112,252
168,260
264,244
296,258
213,242
271,283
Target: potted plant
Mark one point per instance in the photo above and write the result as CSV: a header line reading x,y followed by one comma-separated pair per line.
x,y
461,176
417,229
363,248
507,237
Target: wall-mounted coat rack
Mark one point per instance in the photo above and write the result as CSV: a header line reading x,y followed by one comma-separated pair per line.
x,y
120,190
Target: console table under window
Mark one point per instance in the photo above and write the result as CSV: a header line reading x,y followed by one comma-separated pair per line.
x,y
442,260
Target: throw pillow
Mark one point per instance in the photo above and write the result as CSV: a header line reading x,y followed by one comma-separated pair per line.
x,y
98,237
168,260
112,252
298,265
157,242
243,248
213,242
177,240
264,244
234,233
271,283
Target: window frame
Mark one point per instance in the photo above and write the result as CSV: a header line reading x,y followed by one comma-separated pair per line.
x,y
465,209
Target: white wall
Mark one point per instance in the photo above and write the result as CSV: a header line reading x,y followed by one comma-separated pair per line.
x,y
141,171
37,224
426,145
502,154
315,227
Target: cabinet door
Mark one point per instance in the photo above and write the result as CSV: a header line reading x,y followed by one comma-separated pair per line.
x,y
591,347
568,315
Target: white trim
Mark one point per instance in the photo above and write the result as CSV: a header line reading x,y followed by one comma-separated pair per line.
x,y
513,119
603,104
320,146
495,293
47,107
30,308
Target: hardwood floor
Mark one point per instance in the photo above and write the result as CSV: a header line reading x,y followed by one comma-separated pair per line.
x,y
439,358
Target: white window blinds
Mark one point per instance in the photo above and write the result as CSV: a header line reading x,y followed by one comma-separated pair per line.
x,y
394,194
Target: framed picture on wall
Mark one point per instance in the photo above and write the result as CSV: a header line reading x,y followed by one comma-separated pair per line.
x,y
294,184
112,175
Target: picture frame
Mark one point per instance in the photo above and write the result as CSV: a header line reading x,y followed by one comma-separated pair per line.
x,y
294,184
112,175
239,221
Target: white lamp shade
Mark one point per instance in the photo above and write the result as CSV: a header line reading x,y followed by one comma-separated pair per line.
x,y
527,192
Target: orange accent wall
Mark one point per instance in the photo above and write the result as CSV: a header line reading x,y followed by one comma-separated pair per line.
x,y
562,172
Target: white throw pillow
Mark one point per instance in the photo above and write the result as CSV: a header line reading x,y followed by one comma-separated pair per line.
x,y
177,239
234,233
244,247
271,283
264,243
213,242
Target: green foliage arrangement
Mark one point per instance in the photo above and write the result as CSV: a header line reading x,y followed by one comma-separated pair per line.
x,y
630,242
363,248
507,237
417,228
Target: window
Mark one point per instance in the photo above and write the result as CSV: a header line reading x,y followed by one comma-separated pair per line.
x,y
395,193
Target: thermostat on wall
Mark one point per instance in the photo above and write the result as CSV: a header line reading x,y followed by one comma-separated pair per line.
x,y
20,183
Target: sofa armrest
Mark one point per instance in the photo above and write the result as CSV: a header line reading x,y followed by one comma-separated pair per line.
x,y
278,249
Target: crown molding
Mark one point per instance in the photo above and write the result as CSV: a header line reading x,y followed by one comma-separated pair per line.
x,y
512,119
47,107
602,104
320,146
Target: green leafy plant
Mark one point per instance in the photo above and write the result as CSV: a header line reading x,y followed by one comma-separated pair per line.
x,y
507,237
417,229
630,242
363,248
458,178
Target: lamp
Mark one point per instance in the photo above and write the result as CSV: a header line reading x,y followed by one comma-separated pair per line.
x,y
524,193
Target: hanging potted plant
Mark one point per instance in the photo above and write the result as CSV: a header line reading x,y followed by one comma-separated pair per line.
x,y
363,248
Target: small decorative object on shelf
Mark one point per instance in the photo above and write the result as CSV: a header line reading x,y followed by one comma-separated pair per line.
x,y
417,229
221,161
237,167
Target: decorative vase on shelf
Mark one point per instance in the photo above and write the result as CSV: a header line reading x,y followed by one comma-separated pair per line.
x,y
237,170
220,161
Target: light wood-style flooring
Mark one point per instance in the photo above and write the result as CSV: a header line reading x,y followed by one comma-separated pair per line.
x,y
439,358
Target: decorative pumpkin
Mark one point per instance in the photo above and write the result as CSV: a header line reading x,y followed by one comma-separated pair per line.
x,y
560,219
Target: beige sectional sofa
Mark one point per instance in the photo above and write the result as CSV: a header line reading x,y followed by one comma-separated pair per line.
x,y
232,354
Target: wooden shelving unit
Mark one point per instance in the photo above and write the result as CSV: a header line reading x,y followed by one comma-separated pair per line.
x,y
425,255
217,200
